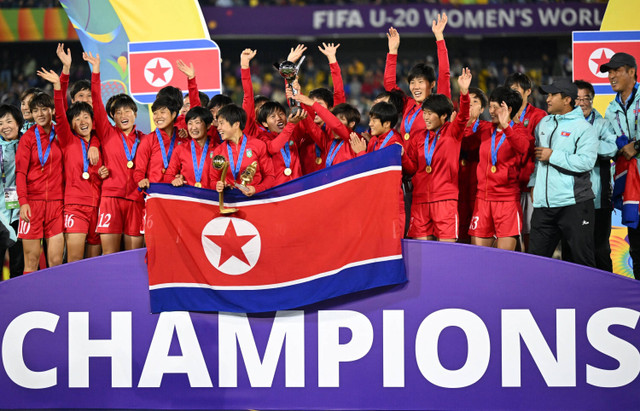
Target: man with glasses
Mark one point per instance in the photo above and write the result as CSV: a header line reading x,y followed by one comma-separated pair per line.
x,y
600,176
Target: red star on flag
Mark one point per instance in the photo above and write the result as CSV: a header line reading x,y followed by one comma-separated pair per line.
x,y
231,244
602,60
158,71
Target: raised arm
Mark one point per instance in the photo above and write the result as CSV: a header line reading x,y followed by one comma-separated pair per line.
x,y
460,122
393,40
103,127
274,146
190,72
63,131
65,59
329,50
444,74
248,103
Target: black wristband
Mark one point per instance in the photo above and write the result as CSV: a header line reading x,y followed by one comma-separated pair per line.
x,y
636,145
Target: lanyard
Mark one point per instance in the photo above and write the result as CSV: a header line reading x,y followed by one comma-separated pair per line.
x,y
475,125
85,160
318,151
523,113
333,151
286,155
591,117
635,127
43,159
166,157
409,123
198,168
494,149
130,154
235,168
429,149
386,140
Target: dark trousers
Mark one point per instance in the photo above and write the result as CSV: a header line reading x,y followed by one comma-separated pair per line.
x,y
574,224
16,256
634,250
601,244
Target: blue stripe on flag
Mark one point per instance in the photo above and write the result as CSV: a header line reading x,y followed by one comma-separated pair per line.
x,y
171,45
389,156
605,35
349,280
603,89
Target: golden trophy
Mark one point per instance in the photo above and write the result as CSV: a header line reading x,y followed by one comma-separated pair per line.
x,y
247,176
221,163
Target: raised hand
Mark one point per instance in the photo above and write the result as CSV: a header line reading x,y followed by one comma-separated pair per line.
x,y
437,26
503,115
303,99
65,58
246,56
393,38
358,144
464,80
329,50
188,71
297,117
94,61
50,76
295,54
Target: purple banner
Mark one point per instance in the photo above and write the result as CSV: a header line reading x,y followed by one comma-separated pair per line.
x,y
474,328
407,18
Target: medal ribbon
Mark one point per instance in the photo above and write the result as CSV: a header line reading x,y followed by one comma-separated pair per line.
x,y
386,140
409,123
85,160
429,149
166,157
318,151
44,159
130,154
494,149
197,169
286,155
475,125
523,113
333,151
235,168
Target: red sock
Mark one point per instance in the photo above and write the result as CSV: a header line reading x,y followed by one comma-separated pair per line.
x,y
26,272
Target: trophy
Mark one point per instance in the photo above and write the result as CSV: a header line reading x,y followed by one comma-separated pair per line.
x,y
221,163
247,176
289,71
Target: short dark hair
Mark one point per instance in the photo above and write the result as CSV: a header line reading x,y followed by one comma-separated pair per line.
x,y
30,91
165,101
204,99
585,85
384,112
511,98
78,107
14,112
219,100
233,113
119,101
519,79
260,99
395,97
201,113
78,86
480,95
323,94
439,104
422,70
41,100
348,111
269,108
172,92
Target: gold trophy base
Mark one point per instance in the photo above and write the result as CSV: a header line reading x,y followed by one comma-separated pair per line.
x,y
228,210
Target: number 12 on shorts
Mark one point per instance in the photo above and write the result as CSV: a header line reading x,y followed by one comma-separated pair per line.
x,y
104,220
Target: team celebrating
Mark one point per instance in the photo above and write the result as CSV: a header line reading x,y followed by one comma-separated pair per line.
x,y
74,174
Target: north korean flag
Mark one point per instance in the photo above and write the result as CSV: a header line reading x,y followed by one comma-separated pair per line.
x,y
591,49
152,66
330,233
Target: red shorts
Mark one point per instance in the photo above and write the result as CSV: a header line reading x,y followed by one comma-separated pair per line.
x,y
46,220
82,219
439,219
119,216
496,219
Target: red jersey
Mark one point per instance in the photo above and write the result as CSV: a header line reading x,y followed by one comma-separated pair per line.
x,y
182,163
532,116
338,149
150,162
384,140
283,149
254,150
501,184
440,182
120,182
412,121
77,190
33,180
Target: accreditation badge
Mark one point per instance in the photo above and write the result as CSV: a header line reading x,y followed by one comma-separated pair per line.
x,y
11,198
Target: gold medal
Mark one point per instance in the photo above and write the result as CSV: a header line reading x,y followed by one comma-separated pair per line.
x,y
318,160
85,175
42,169
287,171
198,184
428,169
463,162
406,136
129,164
494,169
163,170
